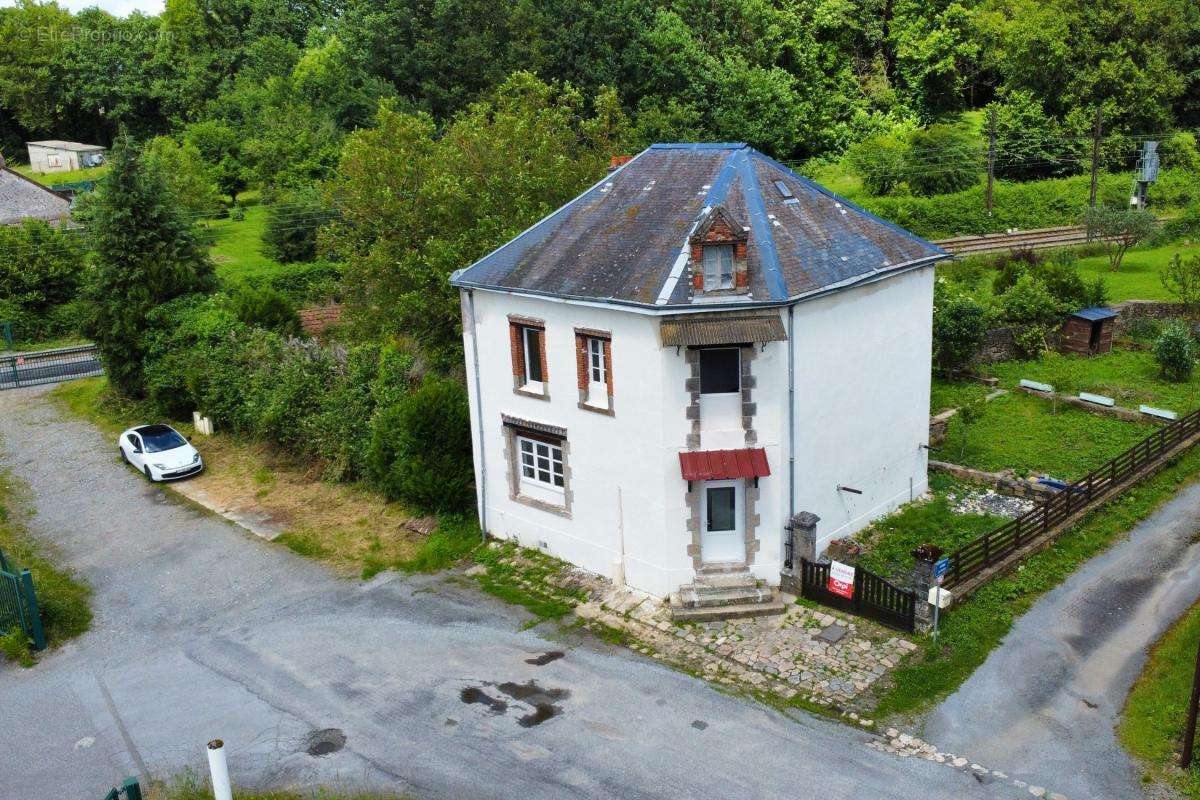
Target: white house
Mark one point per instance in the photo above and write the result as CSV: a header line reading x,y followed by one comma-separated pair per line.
x,y
697,350
59,156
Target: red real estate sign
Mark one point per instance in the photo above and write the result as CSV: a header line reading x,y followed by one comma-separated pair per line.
x,y
841,579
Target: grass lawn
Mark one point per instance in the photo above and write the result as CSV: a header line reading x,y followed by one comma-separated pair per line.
x,y
1031,435
1137,279
1151,726
945,394
1131,377
349,527
64,598
888,543
970,631
55,178
237,249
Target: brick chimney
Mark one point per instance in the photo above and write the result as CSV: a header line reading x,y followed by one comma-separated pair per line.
x,y
616,162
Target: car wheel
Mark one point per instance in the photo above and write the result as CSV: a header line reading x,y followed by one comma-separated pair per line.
x,y
149,477
124,457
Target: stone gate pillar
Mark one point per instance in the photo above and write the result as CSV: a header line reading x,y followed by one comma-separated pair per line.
x,y
801,532
924,557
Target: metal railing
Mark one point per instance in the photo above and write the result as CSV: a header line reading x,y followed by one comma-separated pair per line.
x,y
18,604
49,366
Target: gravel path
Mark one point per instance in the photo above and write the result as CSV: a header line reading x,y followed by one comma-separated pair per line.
x,y
203,631
1044,705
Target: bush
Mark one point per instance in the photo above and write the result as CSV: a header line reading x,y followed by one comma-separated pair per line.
x,y
879,162
959,330
1030,307
41,270
965,272
1181,278
1174,350
264,307
941,159
420,450
1011,266
317,282
290,234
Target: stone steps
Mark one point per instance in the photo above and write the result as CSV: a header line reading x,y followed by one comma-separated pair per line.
x,y
681,613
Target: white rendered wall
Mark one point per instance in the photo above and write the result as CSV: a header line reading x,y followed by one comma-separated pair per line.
x,y
862,400
631,455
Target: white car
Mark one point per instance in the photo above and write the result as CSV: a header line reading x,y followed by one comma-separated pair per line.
x,y
160,452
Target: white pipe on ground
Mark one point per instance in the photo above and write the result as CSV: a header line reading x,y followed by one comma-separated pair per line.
x,y
219,769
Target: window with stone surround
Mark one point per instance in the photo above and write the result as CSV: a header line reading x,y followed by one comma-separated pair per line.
x,y
718,255
539,472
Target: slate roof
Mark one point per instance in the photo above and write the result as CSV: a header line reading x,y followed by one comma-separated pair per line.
x,y
59,144
625,240
21,198
1094,314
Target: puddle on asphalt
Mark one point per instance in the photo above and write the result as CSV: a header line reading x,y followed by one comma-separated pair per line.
x,y
544,701
545,658
699,724
324,742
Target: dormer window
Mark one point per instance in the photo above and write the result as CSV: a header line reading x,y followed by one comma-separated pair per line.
x,y
719,255
718,266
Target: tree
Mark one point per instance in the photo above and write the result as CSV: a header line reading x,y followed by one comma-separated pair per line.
x,y
879,161
1175,351
145,253
219,145
1119,229
413,205
41,268
290,234
185,173
1181,278
959,329
942,158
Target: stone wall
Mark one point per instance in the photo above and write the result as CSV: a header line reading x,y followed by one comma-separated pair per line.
x,y
1130,311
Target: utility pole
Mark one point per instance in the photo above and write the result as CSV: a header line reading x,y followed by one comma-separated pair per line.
x,y
1189,731
1095,166
991,157
1095,157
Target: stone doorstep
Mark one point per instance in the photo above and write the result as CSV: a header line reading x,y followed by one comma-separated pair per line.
x,y
692,597
681,613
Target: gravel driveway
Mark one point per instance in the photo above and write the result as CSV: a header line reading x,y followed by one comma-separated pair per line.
x,y
1045,703
419,684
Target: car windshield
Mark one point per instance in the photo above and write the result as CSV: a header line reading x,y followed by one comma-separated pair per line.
x,y
158,438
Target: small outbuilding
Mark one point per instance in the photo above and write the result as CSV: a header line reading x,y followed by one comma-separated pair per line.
x,y
57,156
1088,332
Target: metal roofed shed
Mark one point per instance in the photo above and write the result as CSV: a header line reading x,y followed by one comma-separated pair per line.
x,y
625,240
1088,331
55,155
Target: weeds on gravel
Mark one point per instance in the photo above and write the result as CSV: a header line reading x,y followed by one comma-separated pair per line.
x,y
188,785
969,632
15,647
527,584
64,599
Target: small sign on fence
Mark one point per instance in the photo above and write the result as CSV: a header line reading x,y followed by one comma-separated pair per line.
x,y
841,579
941,568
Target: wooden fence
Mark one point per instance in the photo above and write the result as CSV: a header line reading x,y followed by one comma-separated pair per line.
x,y
873,597
969,563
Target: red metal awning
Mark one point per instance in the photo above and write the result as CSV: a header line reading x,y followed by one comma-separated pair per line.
x,y
719,465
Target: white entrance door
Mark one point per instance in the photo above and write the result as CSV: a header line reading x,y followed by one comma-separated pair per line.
x,y
722,525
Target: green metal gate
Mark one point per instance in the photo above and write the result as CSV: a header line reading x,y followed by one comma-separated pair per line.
x,y
18,603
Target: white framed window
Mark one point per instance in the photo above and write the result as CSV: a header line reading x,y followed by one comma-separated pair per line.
x,y
718,267
597,366
531,343
541,462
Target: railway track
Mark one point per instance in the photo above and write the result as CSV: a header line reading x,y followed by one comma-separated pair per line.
x,y
1040,239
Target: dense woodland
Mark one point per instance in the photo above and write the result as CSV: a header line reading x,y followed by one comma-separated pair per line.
x,y
393,142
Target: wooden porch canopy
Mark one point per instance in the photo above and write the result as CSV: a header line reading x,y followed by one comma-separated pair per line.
x,y
720,465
